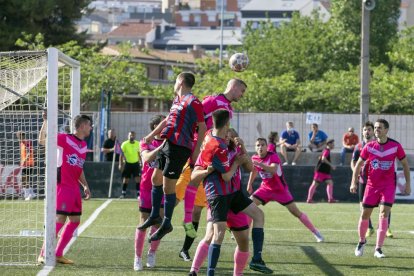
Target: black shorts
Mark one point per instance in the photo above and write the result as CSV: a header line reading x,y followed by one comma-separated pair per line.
x,y
361,191
221,204
133,169
171,159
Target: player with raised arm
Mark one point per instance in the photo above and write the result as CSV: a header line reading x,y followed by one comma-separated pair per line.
x,y
72,151
274,186
148,153
186,115
193,196
381,183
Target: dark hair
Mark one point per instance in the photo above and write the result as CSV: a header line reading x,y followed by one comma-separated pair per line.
x,y
272,136
384,122
369,124
261,139
220,118
315,124
188,79
81,119
232,145
155,121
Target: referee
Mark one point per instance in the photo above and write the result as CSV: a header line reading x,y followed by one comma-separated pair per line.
x,y
129,163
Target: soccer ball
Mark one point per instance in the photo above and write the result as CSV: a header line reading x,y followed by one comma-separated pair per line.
x,y
238,62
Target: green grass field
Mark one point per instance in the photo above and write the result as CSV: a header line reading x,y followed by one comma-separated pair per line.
x,y
107,246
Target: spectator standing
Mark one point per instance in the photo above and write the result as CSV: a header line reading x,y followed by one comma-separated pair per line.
x,y
129,163
273,141
349,141
108,147
290,141
317,138
323,173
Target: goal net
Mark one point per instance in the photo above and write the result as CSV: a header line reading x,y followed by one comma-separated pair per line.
x,y
32,83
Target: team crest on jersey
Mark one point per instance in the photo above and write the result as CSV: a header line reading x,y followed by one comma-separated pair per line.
x,y
382,165
74,160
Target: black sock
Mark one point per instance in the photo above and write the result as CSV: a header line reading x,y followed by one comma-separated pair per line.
x,y
189,241
124,188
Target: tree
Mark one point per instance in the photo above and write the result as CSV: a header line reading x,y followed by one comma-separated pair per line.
x,y
383,27
402,53
115,73
305,46
52,18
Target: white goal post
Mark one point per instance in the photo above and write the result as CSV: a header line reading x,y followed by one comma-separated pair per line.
x,y
32,82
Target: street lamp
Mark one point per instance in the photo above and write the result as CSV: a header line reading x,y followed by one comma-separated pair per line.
x,y
367,7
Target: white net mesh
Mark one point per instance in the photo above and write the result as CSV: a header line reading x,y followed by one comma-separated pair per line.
x,y
23,78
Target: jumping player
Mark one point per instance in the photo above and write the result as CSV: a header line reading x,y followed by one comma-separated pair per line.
x,y
233,93
381,185
72,151
273,186
186,114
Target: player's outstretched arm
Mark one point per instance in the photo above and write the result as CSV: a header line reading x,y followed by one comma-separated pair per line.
x,y
148,139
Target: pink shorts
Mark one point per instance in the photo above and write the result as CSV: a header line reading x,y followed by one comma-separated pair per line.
x,y
265,194
68,201
321,177
374,196
236,222
145,202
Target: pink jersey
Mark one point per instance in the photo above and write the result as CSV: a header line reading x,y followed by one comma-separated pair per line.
x,y
211,104
148,168
71,157
271,181
381,157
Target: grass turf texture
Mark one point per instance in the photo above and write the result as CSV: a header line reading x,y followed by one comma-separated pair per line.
x,y
107,246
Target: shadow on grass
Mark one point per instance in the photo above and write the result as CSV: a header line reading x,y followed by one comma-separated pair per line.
x,y
320,261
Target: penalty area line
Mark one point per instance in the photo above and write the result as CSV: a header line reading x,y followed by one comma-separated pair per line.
x,y
47,269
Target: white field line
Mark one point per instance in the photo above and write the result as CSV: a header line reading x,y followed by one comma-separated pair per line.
x,y
47,269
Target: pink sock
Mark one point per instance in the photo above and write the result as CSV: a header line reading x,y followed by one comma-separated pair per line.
x,y
58,228
189,198
200,255
240,261
154,244
362,229
329,191
306,221
311,191
382,230
65,237
139,242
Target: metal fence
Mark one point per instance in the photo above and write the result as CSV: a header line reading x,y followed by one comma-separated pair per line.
x,y
253,125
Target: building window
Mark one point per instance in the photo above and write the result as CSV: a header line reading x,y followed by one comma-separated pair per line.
x,y
197,20
218,4
161,73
